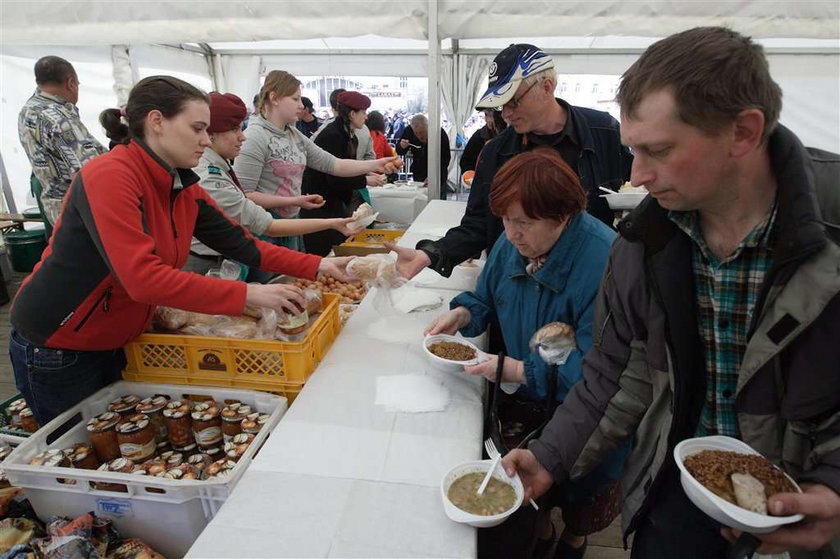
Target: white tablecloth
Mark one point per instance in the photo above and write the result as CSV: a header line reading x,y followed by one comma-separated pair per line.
x,y
342,477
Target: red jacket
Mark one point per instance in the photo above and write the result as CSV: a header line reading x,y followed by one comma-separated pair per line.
x,y
117,250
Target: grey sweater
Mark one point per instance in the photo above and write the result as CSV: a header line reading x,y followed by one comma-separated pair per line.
x,y
272,160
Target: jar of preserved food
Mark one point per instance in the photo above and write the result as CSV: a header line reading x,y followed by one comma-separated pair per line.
x,y
27,421
219,468
291,324
176,415
118,465
13,411
231,420
82,456
207,426
5,450
152,407
188,450
136,438
103,435
124,405
254,422
199,461
54,458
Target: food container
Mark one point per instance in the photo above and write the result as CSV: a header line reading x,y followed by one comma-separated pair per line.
x,y
27,421
270,366
232,416
54,458
124,405
103,435
176,416
136,438
13,410
720,509
207,426
479,521
448,364
83,456
152,407
167,514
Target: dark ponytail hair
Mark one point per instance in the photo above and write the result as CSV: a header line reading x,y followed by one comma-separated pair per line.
x,y
344,114
162,93
116,130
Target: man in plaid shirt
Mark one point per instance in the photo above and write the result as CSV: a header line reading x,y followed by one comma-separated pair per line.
x,y
719,311
52,134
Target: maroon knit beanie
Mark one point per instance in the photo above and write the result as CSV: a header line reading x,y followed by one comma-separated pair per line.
x,y
227,111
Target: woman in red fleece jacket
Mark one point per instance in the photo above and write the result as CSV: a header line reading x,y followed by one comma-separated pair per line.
x,y
117,249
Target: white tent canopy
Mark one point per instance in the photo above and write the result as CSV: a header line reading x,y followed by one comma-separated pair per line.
x,y
229,46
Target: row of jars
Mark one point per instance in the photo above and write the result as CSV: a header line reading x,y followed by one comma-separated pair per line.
x,y
169,465
137,430
19,416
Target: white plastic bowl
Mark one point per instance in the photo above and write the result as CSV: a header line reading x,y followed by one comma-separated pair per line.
x,y
479,521
721,510
624,200
448,364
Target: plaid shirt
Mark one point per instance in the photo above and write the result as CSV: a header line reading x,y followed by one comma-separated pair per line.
x,y
56,141
726,292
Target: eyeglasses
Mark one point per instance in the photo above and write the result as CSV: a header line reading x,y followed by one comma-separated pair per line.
x,y
517,101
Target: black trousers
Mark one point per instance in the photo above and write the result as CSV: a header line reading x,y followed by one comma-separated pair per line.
x,y
676,529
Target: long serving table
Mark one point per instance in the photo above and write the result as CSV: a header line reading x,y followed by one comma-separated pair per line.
x,y
342,477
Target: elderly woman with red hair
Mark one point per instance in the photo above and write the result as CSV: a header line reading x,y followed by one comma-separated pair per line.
x,y
546,268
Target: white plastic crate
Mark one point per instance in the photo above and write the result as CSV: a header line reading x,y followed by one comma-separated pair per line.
x,y
167,514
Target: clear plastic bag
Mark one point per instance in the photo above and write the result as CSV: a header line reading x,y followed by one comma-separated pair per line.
x,y
376,269
168,318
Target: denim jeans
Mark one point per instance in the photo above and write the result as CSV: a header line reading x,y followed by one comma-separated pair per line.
x,y
54,380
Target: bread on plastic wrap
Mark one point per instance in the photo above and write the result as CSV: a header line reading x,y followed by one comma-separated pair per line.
x,y
169,318
376,269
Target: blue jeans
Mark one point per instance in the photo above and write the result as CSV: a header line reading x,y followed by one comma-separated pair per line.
x,y
54,380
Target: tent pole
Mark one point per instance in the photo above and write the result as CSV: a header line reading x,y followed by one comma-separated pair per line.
x,y
435,188
7,188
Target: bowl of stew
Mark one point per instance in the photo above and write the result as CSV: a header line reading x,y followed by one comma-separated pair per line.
x,y
451,353
706,464
461,503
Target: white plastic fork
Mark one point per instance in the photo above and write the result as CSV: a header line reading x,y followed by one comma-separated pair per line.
x,y
495,455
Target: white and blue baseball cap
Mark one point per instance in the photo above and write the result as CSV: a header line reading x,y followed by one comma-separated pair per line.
x,y
509,68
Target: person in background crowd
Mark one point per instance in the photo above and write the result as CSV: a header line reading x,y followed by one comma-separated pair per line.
x,y
494,124
376,124
363,151
521,85
271,164
52,134
397,127
719,312
339,139
118,247
216,176
545,268
414,143
307,122
115,129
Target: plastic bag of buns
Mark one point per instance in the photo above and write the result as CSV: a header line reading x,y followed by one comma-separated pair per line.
x,y
376,269
168,318
314,301
239,327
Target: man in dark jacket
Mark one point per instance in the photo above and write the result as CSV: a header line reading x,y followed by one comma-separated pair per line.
x,y
719,312
522,81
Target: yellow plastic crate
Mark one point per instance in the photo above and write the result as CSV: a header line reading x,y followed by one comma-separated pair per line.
x,y
271,366
369,241
374,236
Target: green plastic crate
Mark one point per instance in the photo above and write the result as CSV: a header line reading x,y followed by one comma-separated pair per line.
x,y
4,420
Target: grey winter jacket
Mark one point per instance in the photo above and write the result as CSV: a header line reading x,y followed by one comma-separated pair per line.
x,y
644,376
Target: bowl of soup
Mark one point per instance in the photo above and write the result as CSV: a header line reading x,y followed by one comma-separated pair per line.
x,y
461,502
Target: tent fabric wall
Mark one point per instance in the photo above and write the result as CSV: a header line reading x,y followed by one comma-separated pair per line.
x,y
91,21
